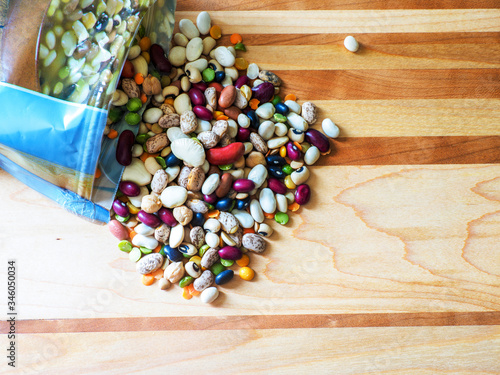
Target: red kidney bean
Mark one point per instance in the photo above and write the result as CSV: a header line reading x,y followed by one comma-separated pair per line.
x,y
202,86
150,220
159,59
167,217
243,185
225,155
242,80
212,198
318,139
276,185
302,194
293,151
243,134
196,96
124,147
230,253
202,113
129,188
120,208
264,92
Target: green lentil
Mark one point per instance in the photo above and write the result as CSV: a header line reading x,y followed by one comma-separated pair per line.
x,y
162,251
240,47
125,246
287,169
281,218
225,167
161,161
154,73
217,268
115,114
279,117
142,138
141,31
203,250
133,118
122,219
135,254
227,262
276,100
208,75
145,250
185,281
305,146
134,104
210,207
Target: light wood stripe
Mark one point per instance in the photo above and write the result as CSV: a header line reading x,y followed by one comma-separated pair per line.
x,y
412,117
210,5
413,151
401,56
176,323
391,84
354,21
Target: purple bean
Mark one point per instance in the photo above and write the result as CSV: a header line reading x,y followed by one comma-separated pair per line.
x,y
196,96
243,185
242,80
167,217
159,59
202,86
293,151
243,134
264,92
318,139
120,208
202,113
302,194
124,147
150,220
230,253
276,185
212,198
129,188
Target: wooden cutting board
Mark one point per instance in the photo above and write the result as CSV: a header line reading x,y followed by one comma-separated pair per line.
x,y
394,265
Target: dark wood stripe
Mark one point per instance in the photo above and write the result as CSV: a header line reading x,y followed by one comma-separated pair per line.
x,y
391,84
413,150
254,322
367,39
210,5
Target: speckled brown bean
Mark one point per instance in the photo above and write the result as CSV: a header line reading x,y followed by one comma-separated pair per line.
x,y
237,237
208,139
162,233
228,222
159,181
209,258
195,179
268,76
130,88
226,181
188,122
157,143
169,120
259,143
220,127
225,140
182,180
168,109
309,112
254,242
197,236
211,96
206,279
197,205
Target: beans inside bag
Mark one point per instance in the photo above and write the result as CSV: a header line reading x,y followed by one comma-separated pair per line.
x,y
60,63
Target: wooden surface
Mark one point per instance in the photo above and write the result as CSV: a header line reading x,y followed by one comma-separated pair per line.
x,y
394,265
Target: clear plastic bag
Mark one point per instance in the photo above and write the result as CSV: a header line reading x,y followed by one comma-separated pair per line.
x,y
60,62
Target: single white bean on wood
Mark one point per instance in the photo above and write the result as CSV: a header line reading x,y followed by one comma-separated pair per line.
x,y
351,43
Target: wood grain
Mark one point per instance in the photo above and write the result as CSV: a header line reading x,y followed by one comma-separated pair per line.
x,y
410,350
354,21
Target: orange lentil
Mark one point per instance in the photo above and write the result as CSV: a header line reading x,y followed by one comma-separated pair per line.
x,y
294,206
157,249
290,97
132,234
144,98
217,114
145,156
148,279
254,103
248,230
246,273
269,216
97,173
243,261
192,290
133,209
283,151
112,134
169,101
139,78
215,32
145,43
158,274
298,145
222,117
236,38
240,63
186,294
213,214
221,242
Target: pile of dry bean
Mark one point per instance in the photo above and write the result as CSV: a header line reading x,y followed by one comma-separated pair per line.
x,y
218,151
